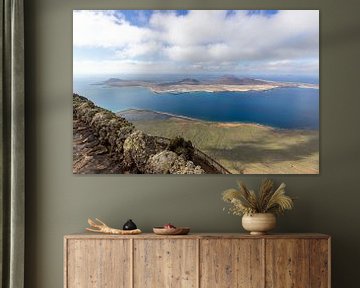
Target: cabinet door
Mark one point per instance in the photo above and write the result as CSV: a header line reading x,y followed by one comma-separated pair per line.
x,y
165,263
287,263
98,263
231,263
320,263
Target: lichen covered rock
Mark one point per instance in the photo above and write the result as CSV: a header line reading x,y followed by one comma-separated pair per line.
x,y
161,163
181,166
168,162
138,148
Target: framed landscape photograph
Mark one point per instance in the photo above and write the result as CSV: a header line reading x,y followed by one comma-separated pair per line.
x,y
196,92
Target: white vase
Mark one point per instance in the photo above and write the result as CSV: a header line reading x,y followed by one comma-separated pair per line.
x,y
259,223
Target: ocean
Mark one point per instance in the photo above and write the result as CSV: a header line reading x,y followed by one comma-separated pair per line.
x,y
288,108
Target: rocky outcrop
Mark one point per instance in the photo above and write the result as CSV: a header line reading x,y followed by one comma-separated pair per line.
x,y
138,148
168,162
146,154
107,143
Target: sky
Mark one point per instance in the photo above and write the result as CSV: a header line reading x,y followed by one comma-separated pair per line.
x,y
240,42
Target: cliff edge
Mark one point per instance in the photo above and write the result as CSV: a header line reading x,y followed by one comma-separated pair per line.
x,y
104,143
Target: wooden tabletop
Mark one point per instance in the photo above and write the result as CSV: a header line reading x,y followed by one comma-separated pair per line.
x,y
89,235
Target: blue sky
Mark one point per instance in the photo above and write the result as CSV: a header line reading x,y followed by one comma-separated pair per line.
x,y
196,41
141,17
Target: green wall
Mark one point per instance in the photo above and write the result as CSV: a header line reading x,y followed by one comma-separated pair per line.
x,y
59,202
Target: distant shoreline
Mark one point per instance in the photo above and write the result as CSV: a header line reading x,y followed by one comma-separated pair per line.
x,y
184,89
160,113
223,84
219,123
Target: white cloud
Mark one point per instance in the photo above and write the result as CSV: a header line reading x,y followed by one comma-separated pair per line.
x,y
203,40
135,50
92,28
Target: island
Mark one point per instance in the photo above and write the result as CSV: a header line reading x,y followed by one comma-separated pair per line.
x,y
226,83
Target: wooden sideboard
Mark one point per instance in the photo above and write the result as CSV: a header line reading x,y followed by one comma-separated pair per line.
x,y
197,260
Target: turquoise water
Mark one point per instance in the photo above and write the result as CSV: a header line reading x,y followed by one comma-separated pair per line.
x,y
290,108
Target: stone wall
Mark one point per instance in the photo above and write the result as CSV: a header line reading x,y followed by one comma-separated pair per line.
x,y
135,151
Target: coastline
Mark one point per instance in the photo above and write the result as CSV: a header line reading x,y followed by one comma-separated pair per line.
x,y
217,123
182,89
158,112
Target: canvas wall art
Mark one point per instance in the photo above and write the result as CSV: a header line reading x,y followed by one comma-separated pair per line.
x,y
195,92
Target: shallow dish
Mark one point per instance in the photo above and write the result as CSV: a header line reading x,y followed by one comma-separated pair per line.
x,y
171,231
